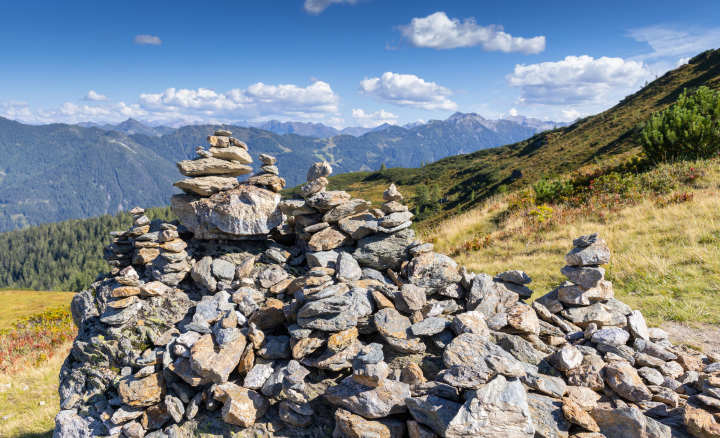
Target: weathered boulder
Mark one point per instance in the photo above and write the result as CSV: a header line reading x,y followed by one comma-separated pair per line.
x,y
369,402
244,212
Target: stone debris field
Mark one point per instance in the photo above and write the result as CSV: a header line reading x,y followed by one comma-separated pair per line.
x,y
253,316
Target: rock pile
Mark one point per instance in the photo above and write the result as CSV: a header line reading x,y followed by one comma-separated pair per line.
x,y
217,169
216,205
358,329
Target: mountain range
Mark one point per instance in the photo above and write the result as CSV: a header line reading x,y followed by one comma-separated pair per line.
x,y
318,130
50,173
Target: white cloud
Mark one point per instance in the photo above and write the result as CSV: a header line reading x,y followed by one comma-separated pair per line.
x,y
92,96
681,61
568,115
674,41
13,104
576,80
437,31
147,39
316,102
371,120
317,6
409,91
513,112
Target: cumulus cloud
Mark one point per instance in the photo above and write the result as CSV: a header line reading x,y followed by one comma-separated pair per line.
x,y
147,39
92,96
437,31
316,102
371,120
317,6
568,115
682,61
674,41
408,91
576,80
513,112
258,100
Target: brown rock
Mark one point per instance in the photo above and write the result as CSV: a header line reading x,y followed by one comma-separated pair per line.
x,y
341,340
302,347
177,245
355,426
154,289
270,316
210,361
586,398
329,238
576,415
268,180
154,417
382,301
412,374
247,360
125,291
242,406
281,287
143,392
143,256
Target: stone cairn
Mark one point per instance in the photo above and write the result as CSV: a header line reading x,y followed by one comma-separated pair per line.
x,y
351,324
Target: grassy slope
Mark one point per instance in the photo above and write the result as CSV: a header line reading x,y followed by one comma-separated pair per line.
x,y
666,260
19,303
550,153
27,418
36,383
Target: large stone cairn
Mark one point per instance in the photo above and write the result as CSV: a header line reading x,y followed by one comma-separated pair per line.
x,y
352,325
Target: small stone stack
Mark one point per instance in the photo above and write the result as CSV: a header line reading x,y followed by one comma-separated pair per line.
x,y
397,217
217,169
268,176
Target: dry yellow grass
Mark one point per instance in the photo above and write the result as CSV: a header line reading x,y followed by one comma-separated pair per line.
x,y
19,303
27,419
666,260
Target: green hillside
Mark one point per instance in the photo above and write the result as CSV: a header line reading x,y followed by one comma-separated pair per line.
x,y
457,183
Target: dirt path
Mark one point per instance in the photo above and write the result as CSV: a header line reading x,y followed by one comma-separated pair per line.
x,y
704,336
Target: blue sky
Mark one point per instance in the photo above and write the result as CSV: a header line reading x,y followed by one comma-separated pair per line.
x,y
338,62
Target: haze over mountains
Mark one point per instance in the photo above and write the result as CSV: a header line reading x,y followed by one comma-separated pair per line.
x,y
56,172
318,130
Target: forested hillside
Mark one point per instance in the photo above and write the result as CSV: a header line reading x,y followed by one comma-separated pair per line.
x,y
65,256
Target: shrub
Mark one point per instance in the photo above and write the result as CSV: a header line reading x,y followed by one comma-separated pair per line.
x,y
690,128
547,191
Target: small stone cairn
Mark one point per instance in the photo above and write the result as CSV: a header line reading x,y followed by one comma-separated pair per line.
x,y
351,324
217,169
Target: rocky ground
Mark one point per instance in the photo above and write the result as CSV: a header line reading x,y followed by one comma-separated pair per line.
x,y
335,321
